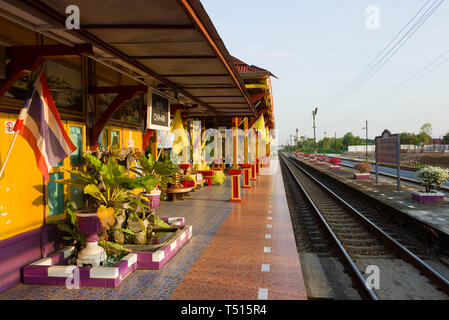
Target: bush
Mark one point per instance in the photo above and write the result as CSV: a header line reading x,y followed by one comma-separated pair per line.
x,y
432,177
363,167
335,161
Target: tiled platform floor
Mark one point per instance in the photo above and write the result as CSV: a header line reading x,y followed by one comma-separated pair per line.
x,y
253,255
233,263
206,210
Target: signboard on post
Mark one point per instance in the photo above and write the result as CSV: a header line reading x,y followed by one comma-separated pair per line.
x,y
388,150
158,112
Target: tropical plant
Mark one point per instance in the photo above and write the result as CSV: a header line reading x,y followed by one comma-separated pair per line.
x,y
108,184
432,177
69,225
162,171
363,167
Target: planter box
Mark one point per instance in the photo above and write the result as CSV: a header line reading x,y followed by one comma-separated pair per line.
x,y
52,270
423,197
334,168
321,163
361,176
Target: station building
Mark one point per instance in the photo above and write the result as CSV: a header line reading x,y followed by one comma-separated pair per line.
x,y
101,77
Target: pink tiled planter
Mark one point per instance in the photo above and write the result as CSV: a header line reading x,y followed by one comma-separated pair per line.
x,y
52,270
321,163
361,176
423,197
334,168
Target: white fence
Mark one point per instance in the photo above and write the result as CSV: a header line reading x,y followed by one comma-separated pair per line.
x,y
361,148
406,147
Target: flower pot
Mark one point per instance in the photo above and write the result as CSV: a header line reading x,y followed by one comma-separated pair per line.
x,y
155,198
89,224
427,197
361,176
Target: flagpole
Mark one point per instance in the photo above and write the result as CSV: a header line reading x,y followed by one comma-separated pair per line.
x,y
17,132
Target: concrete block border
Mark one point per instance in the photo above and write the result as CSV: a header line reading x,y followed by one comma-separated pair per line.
x,y
52,270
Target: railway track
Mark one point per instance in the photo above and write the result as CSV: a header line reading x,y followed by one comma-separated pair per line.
x,y
365,247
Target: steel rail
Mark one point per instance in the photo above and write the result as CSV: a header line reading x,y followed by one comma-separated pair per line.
x,y
356,272
402,251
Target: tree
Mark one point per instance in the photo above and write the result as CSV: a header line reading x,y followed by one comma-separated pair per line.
x,y
427,129
446,138
408,138
348,139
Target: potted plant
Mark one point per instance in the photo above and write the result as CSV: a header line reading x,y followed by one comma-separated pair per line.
x,y
364,168
430,177
335,163
164,172
109,190
322,160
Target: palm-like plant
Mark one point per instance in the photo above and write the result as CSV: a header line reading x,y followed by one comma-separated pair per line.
x,y
109,184
162,171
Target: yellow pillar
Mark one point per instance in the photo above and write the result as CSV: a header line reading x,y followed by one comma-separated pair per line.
x,y
257,156
235,171
246,166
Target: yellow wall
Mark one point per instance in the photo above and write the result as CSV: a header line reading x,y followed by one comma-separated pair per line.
x,y
20,185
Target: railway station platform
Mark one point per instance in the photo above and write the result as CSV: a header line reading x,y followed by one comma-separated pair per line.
x,y
237,252
432,216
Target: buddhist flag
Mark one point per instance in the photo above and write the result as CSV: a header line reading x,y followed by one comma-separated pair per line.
x,y
177,129
40,125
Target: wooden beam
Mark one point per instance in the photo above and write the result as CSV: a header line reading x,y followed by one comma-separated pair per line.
x,y
194,75
123,95
27,59
139,26
172,57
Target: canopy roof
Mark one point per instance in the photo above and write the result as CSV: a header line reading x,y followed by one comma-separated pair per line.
x,y
258,83
171,45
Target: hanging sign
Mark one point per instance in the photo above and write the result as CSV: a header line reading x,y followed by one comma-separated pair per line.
x,y
158,112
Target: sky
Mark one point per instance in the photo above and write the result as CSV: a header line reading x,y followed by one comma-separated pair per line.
x,y
317,47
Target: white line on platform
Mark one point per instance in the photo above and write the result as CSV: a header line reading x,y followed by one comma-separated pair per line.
x,y
262,294
267,249
265,267
270,218
269,226
268,236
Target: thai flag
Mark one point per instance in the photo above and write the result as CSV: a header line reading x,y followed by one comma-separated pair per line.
x,y
40,125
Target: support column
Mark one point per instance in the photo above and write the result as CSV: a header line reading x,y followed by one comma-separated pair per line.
x,y
257,156
246,166
235,171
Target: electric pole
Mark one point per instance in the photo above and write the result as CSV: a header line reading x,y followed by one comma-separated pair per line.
x,y
314,112
335,144
366,141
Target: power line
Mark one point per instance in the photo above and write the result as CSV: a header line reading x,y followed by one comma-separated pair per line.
x,y
378,55
391,53
369,71
410,81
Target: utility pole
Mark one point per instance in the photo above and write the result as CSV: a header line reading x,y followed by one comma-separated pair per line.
x,y
335,144
366,141
314,112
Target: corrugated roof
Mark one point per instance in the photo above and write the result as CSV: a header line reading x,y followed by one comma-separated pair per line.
x,y
244,67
